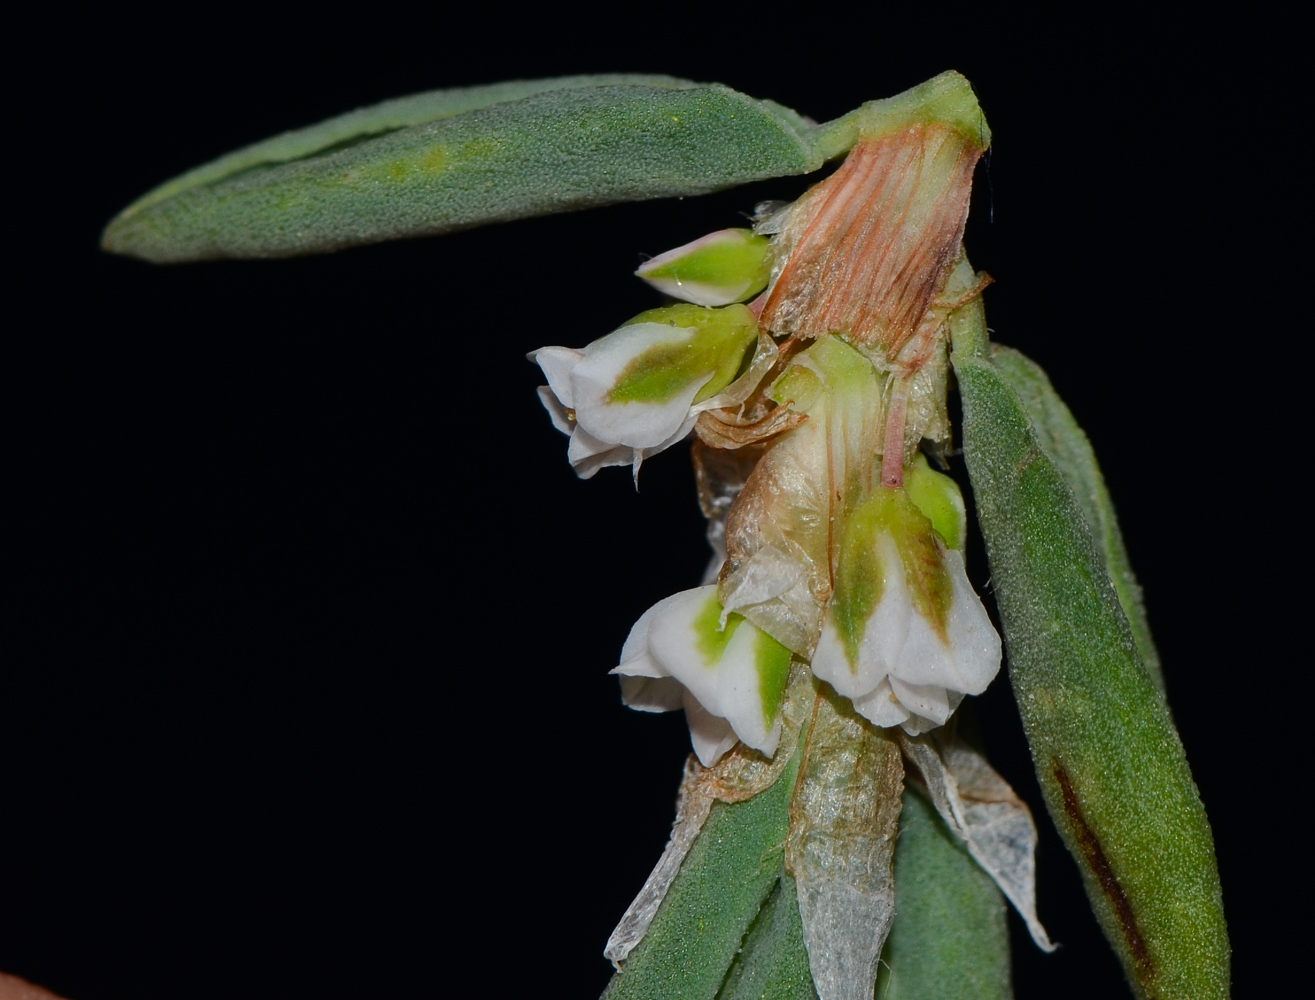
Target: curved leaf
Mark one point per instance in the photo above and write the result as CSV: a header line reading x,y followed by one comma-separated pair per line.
x,y
950,938
735,864
386,116
1109,760
552,151
1065,444
772,963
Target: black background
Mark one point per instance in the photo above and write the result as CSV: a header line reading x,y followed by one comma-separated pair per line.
x,y
305,687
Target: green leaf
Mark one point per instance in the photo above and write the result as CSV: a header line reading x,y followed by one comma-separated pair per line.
x,y
387,116
554,150
772,963
733,867
1067,446
950,939
1109,761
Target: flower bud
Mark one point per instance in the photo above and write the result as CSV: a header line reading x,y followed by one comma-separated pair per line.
x,y
730,680
716,270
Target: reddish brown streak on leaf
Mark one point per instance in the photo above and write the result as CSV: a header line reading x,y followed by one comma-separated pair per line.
x,y
1109,882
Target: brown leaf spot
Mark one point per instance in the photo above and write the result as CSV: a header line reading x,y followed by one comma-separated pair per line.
x,y
1099,866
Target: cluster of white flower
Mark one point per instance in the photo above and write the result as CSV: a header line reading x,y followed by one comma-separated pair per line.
x,y
862,580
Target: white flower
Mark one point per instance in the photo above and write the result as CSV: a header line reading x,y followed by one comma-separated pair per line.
x,y
730,680
905,637
638,390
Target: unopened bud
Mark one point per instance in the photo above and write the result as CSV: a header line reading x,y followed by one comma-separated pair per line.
x,y
716,270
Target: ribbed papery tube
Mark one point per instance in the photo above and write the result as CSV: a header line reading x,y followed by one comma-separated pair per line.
x,y
844,820
869,249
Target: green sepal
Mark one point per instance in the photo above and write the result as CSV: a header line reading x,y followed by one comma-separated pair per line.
x,y
732,258
733,867
950,937
859,572
938,496
721,338
1065,444
1110,763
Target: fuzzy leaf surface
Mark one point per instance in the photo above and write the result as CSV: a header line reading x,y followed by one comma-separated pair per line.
x,y
736,863
1065,444
466,164
377,119
1109,760
950,939
772,963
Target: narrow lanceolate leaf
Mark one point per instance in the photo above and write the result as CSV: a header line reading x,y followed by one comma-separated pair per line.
x,y
1067,446
950,938
772,963
731,868
724,877
551,151
377,119
844,821
1110,763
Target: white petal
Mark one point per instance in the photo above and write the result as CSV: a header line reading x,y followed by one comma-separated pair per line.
x,y
641,455
697,292
673,642
652,694
637,424
636,645
973,639
556,411
711,736
587,454
883,638
926,700
881,707
557,364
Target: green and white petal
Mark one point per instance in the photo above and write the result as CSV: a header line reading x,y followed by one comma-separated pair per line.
x,y
716,270
638,390
733,677
905,636
882,630
636,422
967,659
